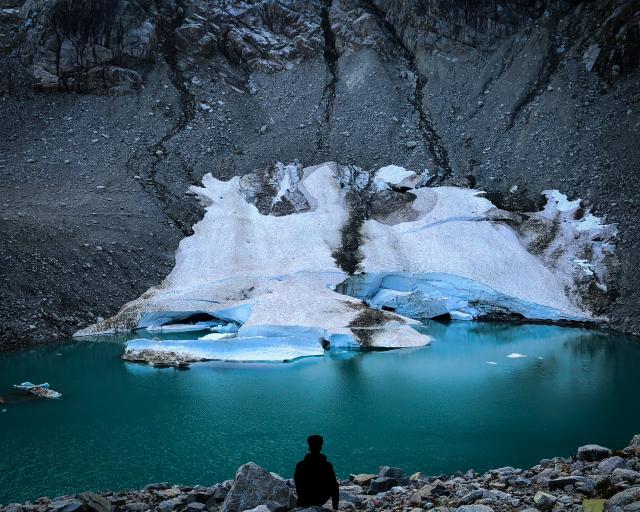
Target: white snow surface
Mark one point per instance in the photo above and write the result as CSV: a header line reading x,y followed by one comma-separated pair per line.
x,y
278,278
394,176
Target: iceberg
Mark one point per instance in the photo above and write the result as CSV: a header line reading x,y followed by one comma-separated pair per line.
x,y
249,349
333,256
198,326
216,336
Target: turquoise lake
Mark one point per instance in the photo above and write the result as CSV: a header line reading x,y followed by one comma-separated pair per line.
x,y
436,409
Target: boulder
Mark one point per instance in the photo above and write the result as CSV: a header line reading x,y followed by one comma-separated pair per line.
x,y
198,496
425,492
623,498
621,475
389,472
561,482
586,486
66,506
196,506
474,508
545,475
74,506
382,484
255,486
632,507
544,501
171,492
634,446
362,478
611,463
217,495
169,505
471,497
592,452
135,507
94,502
261,508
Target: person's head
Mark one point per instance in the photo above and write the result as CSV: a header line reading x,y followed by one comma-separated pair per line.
x,y
315,443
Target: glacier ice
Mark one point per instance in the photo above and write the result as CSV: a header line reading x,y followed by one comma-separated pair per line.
x,y
268,260
249,349
216,336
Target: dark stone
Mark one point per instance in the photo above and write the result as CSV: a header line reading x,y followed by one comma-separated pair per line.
x,y
382,484
94,502
592,453
561,482
389,472
624,498
471,497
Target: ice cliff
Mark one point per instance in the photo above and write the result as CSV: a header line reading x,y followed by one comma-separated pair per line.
x,y
335,256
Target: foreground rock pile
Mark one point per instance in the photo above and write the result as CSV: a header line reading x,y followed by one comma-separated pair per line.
x,y
595,479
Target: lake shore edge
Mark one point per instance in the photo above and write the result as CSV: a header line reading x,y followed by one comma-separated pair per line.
x,y
595,478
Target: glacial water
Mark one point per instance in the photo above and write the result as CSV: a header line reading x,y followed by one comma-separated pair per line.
x,y
436,409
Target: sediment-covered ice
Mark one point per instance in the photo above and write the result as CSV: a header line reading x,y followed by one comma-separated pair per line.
x,y
335,256
249,349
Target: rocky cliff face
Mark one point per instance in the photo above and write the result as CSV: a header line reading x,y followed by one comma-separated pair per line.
x,y
512,97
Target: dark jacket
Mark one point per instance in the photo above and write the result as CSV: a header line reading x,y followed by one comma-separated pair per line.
x,y
316,481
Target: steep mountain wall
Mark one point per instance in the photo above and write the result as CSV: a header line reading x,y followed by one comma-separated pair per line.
x,y
510,97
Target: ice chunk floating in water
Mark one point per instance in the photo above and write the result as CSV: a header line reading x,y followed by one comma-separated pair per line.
x,y
334,256
250,349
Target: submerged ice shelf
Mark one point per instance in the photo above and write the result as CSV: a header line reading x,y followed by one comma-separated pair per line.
x,y
298,260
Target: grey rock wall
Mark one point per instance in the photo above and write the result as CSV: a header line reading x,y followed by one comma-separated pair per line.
x,y
511,97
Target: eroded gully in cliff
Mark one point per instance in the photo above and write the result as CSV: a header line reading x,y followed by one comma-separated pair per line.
x,y
430,136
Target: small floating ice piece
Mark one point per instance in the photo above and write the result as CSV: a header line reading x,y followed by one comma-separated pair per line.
x,y
249,349
516,355
225,328
41,390
215,336
540,357
199,326
491,362
460,315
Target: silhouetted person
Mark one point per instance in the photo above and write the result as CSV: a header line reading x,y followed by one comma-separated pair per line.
x,y
314,477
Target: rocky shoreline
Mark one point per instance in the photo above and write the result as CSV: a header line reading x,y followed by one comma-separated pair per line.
x,y
596,478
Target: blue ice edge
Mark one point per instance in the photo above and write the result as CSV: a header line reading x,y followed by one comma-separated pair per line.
x,y
420,296
424,296
252,349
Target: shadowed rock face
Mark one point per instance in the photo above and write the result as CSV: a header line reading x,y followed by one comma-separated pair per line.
x,y
512,97
90,45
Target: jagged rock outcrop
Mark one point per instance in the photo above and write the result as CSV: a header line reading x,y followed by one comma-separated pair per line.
x,y
90,45
241,37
